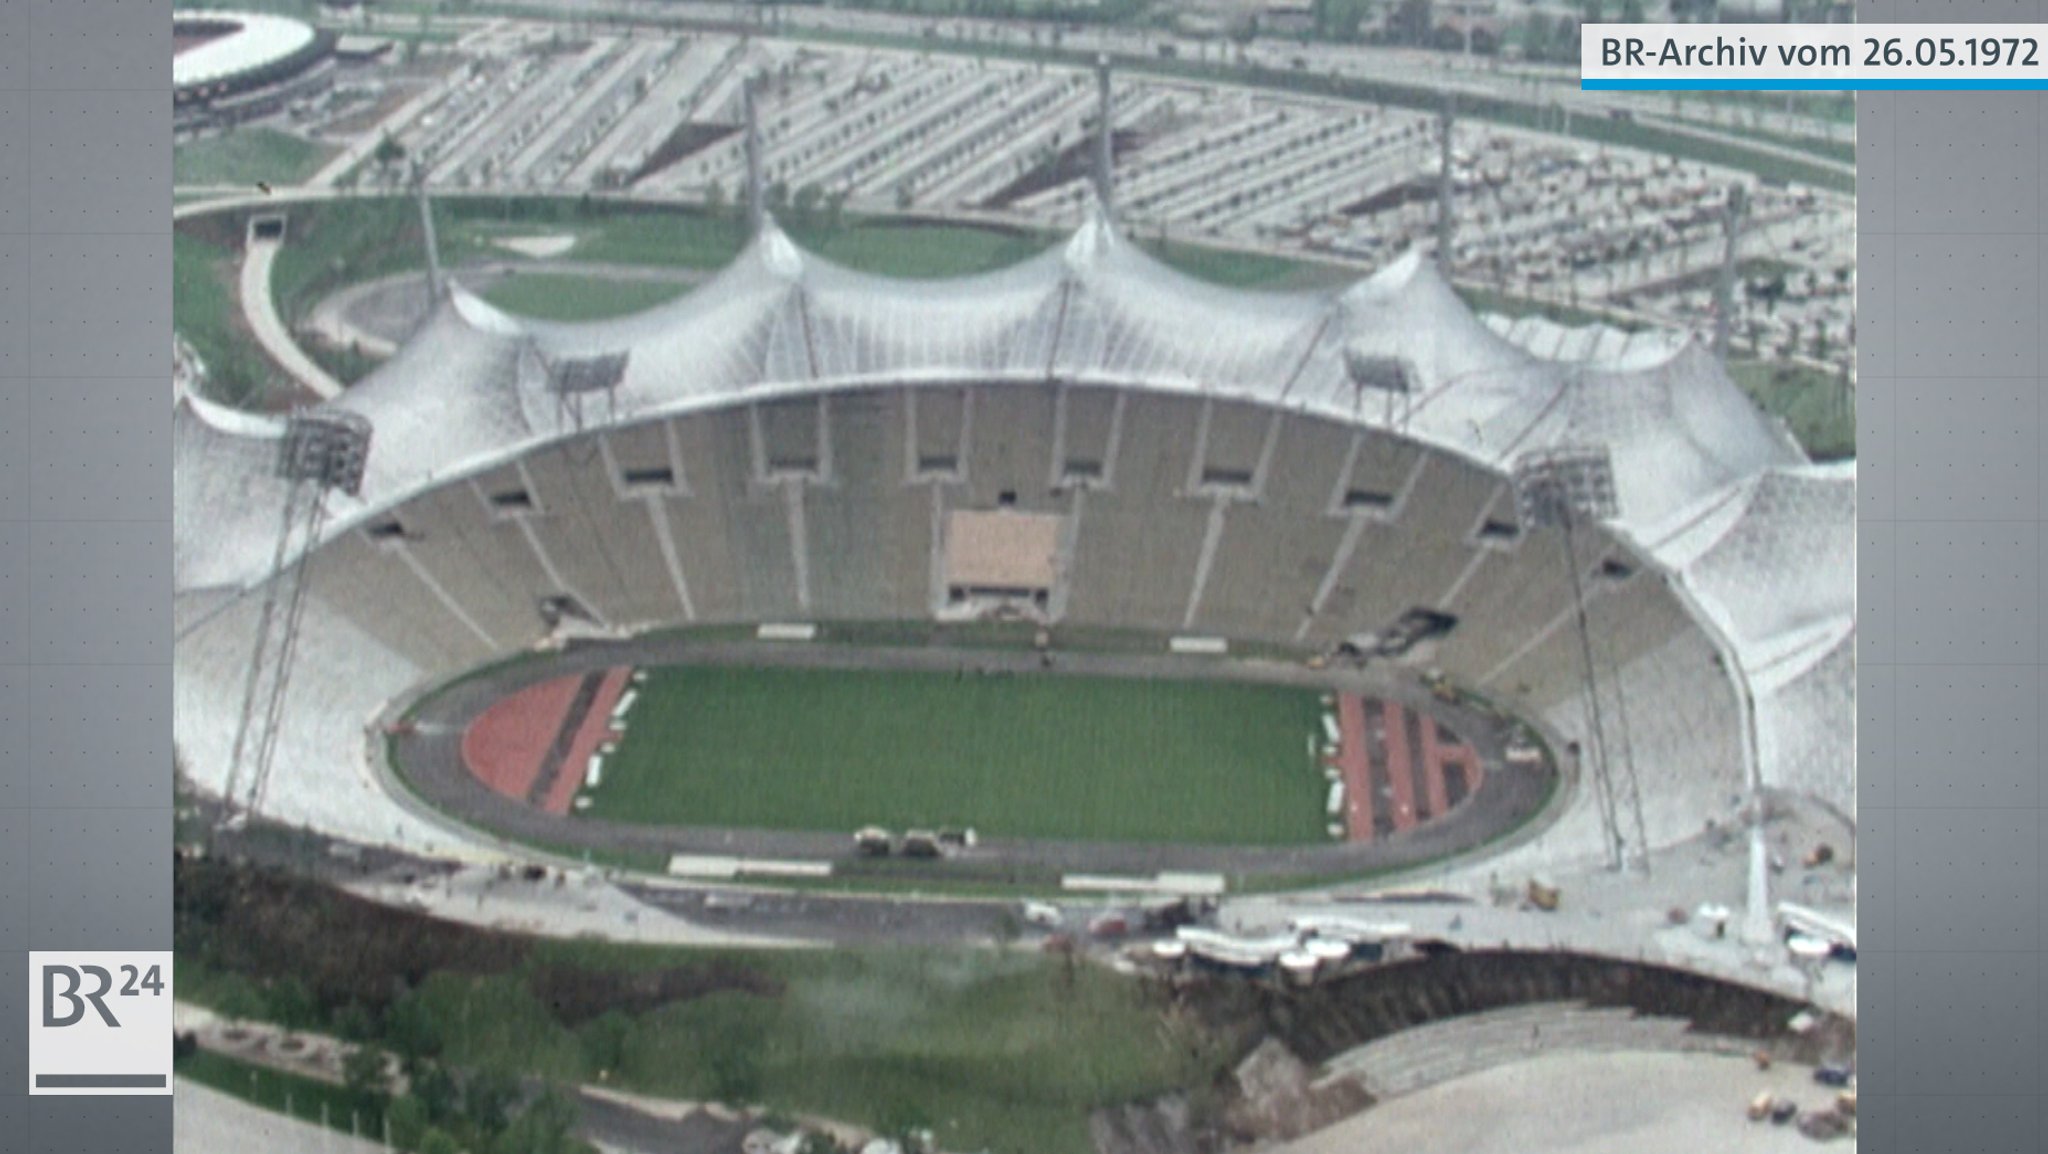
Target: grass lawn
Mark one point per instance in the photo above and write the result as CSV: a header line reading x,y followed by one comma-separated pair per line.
x,y
246,156
282,1093
205,313
1012,756
567,297
1810,402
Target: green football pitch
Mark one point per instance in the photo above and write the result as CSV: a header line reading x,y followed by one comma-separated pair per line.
x,y
1028,756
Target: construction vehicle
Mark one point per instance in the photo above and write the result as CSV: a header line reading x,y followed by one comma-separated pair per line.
x,y
1439,684
1823,1125
1042,914
1109,926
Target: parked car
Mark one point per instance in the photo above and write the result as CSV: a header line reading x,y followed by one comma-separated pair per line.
x,y
1833,1074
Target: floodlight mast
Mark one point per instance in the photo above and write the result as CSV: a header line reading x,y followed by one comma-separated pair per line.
x,y
1558,488
320,452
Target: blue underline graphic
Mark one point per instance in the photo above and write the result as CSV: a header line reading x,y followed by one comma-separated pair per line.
x,y
1815,85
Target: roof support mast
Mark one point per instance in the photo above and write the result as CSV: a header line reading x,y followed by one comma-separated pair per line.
x,y
1105,142
1446,183
1724,290
434,282
757,197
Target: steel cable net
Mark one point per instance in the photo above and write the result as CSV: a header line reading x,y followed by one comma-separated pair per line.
x,y
471,392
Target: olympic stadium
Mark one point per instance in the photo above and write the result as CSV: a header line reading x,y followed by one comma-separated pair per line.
x,y
1366,683
1207,471
232,66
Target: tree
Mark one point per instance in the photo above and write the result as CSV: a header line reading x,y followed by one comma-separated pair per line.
x,y
1632,12
411,1031
435,1090
1411,22
364,1070
604,1041
735,1074
488,1099
808,198
353,1023
543,1128
408,1120
290,1004
388,154
1339,19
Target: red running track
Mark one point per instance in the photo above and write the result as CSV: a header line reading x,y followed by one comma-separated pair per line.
x,y
506,747
1433,757
1409,772
1356,766
1400,765
595,731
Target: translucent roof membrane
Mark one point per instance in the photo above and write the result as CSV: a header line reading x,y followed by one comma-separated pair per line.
x,y
1708,486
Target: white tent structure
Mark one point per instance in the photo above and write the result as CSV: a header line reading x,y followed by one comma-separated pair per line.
x,y
1714,497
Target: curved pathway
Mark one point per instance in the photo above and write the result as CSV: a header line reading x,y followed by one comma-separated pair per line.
x,y
260,310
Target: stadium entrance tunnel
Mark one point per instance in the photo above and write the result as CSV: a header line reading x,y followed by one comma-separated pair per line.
x,y
1026,762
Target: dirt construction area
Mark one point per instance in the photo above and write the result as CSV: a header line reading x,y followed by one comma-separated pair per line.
x,y
1621,1103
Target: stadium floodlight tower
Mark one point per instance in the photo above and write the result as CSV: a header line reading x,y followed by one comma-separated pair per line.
x,y
1560,488
1388,376
322,450
577,380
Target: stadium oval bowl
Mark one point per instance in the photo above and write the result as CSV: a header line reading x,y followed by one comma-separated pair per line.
x,y
233,58
792,442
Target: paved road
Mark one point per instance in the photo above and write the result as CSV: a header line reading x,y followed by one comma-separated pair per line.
x,y
260,309
206,1120
431,760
